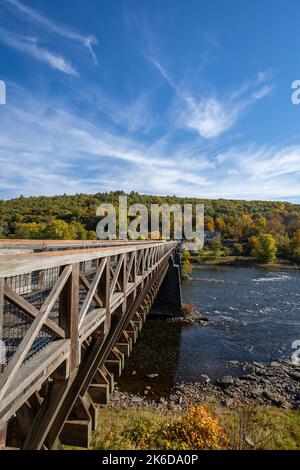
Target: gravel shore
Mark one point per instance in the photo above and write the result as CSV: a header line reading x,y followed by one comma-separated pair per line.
x,y
274,384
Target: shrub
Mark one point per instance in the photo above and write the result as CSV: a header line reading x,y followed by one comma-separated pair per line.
x,y
238,249
144,433
196,430
187,309
186,269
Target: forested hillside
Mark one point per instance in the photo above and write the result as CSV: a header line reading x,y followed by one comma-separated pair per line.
x,y
240,223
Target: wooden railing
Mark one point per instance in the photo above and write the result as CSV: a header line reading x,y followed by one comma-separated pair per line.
x,y
51,302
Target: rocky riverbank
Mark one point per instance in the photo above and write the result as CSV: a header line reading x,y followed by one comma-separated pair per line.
x,y
275,384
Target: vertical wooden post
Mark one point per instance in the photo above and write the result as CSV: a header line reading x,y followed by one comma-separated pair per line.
x,y
104,294
68,314
123,281
3,431
1,306
134,272
3,427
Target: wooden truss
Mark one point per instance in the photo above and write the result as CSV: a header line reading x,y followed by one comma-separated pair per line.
x,y
90,305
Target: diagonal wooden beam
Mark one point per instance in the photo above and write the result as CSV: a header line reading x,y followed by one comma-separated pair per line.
x,y
31,310
116,274
47,414
2,283
112,272
91,292
86,284
130,264
139,259
16,361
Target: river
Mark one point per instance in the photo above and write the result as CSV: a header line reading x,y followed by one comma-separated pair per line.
x,y
255,316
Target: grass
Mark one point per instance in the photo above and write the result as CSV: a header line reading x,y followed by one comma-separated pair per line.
x,y
248,428
262,428
127,429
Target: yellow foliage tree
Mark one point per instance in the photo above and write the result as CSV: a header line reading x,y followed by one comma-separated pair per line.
x,y
196,430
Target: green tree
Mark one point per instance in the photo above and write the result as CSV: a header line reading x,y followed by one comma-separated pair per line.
x,y
79,230
30,231
59,230
238,249
91,235
283,244
296,255
266,250
216,246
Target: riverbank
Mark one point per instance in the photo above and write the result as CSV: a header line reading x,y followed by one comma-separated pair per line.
x,y
258,410
275,384
242,261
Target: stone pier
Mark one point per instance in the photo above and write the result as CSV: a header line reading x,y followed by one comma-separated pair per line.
x,y
168,301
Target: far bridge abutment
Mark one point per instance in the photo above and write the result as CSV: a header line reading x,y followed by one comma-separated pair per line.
x,y
169,298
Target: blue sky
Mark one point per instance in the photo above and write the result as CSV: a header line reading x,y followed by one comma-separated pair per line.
x,y
185,97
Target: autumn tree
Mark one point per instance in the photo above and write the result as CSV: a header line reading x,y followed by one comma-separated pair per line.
x,y
30,231
295,246
77,230
219,224
266,250
186,264
209,225
59,230
296,240
247,225
91,235
253,242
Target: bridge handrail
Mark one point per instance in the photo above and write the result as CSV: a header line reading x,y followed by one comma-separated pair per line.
x,y
14,264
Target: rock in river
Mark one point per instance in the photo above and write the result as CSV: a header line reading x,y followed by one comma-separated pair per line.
x,y
226,381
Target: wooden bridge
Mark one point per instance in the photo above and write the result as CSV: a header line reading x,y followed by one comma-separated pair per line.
x,y
69,315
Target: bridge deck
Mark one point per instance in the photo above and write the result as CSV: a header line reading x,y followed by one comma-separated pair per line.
x,y
54,305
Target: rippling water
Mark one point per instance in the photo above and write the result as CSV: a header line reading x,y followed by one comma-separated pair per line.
x,y
257,312
257,318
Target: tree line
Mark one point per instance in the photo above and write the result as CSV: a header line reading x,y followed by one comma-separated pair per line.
x,y
263,229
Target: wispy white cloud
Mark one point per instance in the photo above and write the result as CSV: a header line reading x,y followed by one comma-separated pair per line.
x,y
88,41
48,149
135,115
31,47
272,163
68,153
262,92
211,116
